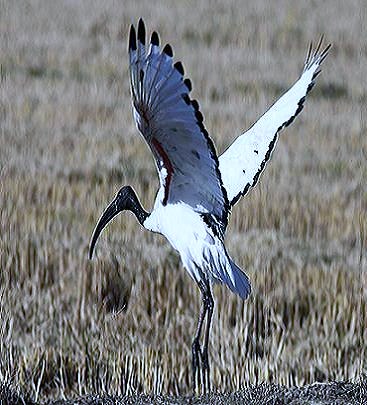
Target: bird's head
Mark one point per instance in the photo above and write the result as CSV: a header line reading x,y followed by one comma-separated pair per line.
x,y
125,199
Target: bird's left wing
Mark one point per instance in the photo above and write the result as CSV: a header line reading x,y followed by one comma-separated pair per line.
x,y
243,162
172,126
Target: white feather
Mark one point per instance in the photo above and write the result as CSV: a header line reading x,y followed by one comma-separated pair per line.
x,y
243,162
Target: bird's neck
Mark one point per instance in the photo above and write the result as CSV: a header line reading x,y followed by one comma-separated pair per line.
x,y
136,208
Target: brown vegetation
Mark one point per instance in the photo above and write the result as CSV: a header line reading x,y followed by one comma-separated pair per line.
x,y
123,323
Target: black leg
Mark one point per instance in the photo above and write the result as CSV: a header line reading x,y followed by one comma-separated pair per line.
x,y
200,358
209,303
196,352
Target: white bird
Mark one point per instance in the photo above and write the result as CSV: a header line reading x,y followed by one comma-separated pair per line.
x,y
197,189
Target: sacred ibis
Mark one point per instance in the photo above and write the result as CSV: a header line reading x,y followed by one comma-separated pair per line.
x,y
197,188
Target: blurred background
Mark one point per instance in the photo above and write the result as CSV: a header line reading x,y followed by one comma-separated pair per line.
x,y
124,322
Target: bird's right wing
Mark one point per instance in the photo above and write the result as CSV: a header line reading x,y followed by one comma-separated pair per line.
x,y
172,125
243,162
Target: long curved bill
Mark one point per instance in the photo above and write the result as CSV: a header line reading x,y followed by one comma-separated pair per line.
x,y
110,212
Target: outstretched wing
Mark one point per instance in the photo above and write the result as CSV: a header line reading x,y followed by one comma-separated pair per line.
x,y
172,125
243,162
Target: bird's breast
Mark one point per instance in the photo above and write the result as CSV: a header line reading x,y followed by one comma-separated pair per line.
x,y
178,223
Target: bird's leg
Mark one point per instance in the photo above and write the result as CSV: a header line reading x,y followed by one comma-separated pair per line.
x,y
209,304
196,351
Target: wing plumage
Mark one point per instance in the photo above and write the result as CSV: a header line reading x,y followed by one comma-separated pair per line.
x,y
172,126
243,162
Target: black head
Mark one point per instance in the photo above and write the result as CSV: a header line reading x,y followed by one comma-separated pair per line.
x,y
125,199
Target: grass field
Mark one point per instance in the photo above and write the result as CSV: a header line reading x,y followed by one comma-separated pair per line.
x,y
123,323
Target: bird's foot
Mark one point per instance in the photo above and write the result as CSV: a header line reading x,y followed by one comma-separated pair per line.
x,y
196,360
201,368
205,368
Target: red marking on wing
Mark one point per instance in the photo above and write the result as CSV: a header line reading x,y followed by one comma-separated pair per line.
x,y
167,164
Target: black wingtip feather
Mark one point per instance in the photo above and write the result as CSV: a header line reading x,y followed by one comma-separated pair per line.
x,y
195,104
309,52
154,40
325,53
188,84
313,78
318,47
168,50
132,39
199,116
179,68
141,31
186,98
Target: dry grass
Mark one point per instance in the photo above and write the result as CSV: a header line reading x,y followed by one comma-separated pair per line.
x,y
124,323
329,393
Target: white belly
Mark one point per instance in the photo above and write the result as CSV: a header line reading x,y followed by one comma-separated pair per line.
x,y
202,254
188,234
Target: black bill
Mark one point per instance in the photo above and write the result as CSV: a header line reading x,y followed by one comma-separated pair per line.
x,y
110,212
